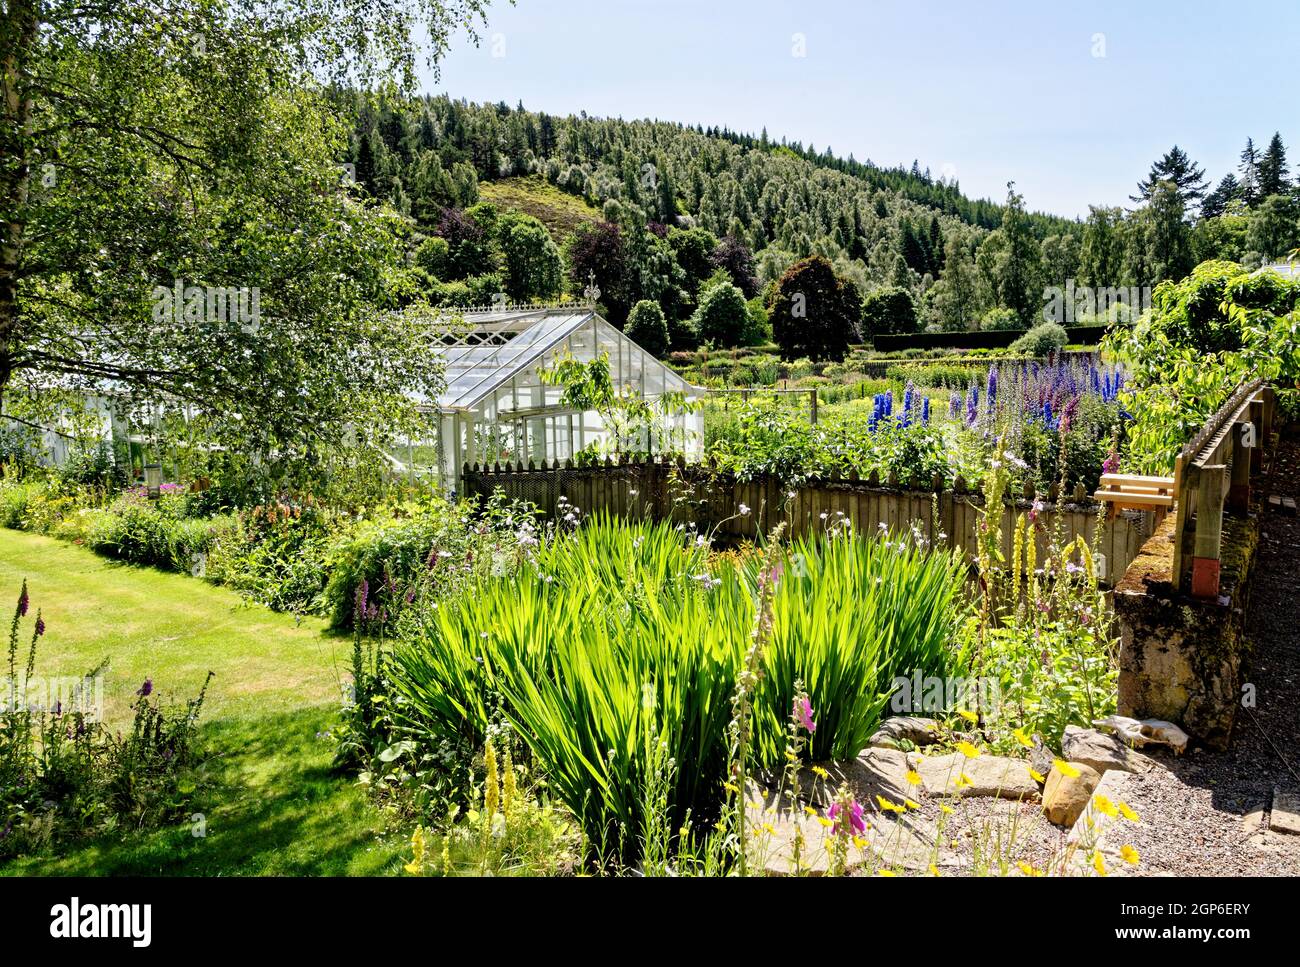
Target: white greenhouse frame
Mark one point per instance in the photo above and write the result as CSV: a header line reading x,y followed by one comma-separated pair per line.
x,y
496,408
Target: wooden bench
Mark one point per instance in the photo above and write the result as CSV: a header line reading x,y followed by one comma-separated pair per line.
x,y
1122,491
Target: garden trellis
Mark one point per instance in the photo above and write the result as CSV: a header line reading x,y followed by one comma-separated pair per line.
x,y
497,406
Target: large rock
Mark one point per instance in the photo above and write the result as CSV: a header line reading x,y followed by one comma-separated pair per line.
x,y
985,775
1041,756
1103,752
1147,732
1099,833
1065,796
911,728
909,843
875,772
1285,815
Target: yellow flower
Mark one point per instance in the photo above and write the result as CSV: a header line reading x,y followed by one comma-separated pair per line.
x,y
769,829
1065,769
946,810
1128,812
884,872
1129,854
810,811
825,822
889,807
1098,865
1036,775
1019,735
731,787
1028,869
859,842
820,773
913,777
934,870
1104,804
911,805
416,866
968,715
962,781
968,750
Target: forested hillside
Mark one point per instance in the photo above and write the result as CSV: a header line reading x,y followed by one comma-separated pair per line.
x,y
664,212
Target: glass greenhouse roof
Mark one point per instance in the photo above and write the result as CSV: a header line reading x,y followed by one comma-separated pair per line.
x,y
497,346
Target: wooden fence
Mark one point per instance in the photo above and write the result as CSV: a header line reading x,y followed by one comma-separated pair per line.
x,y
717,501
1212,476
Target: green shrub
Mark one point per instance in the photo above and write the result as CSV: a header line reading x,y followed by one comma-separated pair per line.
x,y
647,327
417,551
154,532
944,375
1000,320
1042,340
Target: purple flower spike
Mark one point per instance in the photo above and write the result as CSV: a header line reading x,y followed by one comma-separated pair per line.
x,y
803,709
22,602
857,824
146,689
40,626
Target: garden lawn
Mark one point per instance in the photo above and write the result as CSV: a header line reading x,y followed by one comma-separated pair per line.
x,y
275,806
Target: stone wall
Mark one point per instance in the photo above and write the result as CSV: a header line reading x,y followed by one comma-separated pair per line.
x,y
1182,659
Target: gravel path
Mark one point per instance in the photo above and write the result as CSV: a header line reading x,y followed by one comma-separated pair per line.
x,y
1206,813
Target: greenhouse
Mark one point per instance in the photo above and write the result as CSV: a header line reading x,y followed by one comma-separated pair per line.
x,y
497,405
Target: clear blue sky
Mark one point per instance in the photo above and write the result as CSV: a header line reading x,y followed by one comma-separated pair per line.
x,y
990,91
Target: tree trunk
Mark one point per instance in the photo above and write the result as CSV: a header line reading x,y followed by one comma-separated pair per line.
x,y
18,36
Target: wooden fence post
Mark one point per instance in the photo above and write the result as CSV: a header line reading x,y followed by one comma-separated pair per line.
x,y
1242,459
1257,454
1209,532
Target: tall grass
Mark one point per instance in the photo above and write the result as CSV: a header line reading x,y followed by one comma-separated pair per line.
x,y
620,646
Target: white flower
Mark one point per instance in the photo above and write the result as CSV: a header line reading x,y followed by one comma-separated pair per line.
x,y
744,510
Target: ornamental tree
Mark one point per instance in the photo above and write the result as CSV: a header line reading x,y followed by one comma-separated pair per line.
x,y
162,161
813,312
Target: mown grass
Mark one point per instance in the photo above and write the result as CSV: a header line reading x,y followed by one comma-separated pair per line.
x,y
274,806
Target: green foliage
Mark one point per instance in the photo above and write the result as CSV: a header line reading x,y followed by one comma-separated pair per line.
x,y
156,532
647,327
1000,319
620,638
1044,642
722,317
888,311
533,268
414,553
275,554
1203,337
253,152
769,438
814,312
1043,340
